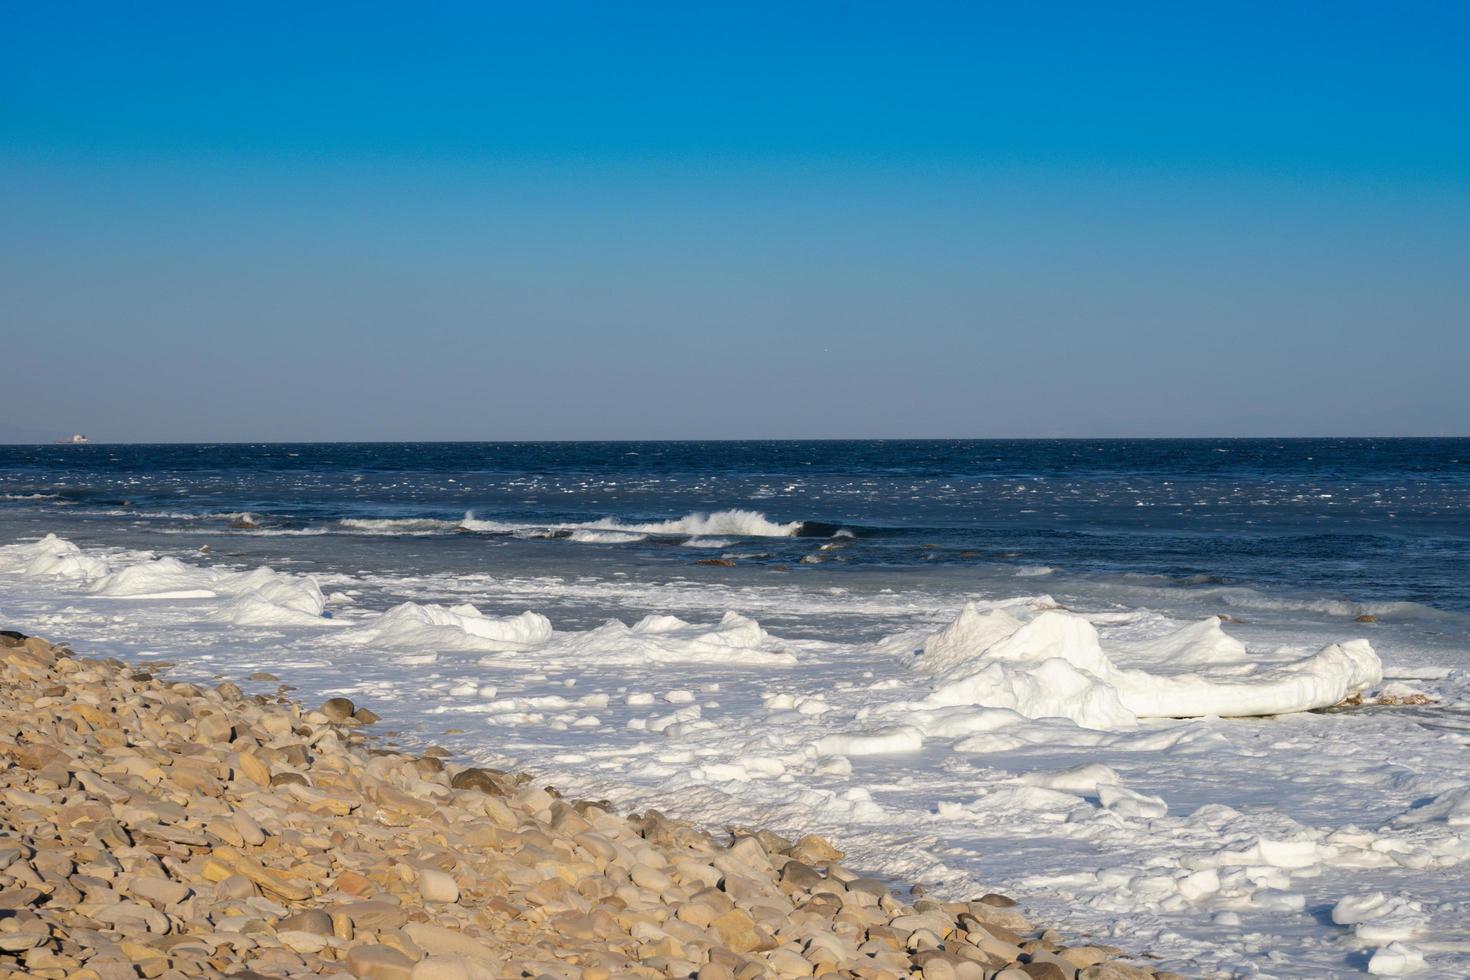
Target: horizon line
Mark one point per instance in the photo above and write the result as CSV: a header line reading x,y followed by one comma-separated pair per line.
x,y
723,439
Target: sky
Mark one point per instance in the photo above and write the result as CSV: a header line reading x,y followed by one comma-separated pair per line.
x,y
327,221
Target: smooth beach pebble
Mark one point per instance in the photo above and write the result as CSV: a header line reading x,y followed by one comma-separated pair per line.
x,y
436,886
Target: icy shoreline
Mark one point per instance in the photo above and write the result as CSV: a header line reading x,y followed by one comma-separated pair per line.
x,y
1009,744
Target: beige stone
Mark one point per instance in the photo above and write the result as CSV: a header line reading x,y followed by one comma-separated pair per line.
x,y
378,963
736,931
437,886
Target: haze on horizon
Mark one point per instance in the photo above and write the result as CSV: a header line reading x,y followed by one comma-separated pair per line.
x,y
347,222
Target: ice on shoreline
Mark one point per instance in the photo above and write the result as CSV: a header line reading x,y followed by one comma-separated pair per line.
x,y
1019,745
1047,663
463,627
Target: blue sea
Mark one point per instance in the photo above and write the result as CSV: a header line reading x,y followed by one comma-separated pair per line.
x,y
1368,521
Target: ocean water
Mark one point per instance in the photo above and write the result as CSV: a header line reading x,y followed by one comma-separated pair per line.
x,y
1372,521
1076,671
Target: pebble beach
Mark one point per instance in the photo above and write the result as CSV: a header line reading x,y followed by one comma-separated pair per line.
x,y
161,829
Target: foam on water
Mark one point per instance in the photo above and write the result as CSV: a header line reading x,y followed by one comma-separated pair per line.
x,y
612,530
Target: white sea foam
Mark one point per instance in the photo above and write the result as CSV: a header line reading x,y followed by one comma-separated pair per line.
x,y
737,523
606,537
396,526
733,523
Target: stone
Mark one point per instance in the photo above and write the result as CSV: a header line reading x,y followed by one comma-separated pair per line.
x,y
816,851
300,941
314,921
484,780
436,886
1083,956
159,890
249,831
1045,971
1115,971
787,963
254,769
736,930
338,709
454,968
215,728
373,915
378,963
439,941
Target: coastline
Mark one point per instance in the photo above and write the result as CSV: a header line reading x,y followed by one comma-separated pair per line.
x,y
167,830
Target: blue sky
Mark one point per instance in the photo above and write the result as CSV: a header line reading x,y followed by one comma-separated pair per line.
x,y
328,221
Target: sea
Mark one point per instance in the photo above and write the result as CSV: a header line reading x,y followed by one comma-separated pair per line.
x,y
736,632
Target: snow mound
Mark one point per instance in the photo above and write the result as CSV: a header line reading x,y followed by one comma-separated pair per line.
x,y
254,610
54,558
260,597
268,598
1337,671
1202,643
1453,807
1053,666
433,627
162,578
734,641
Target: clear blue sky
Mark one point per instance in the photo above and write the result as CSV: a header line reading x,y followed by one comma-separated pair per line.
x,y
303,221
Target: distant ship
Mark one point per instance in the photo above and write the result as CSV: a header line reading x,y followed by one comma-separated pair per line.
x,y
75,439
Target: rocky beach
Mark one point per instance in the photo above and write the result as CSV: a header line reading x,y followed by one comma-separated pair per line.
x,y
168,830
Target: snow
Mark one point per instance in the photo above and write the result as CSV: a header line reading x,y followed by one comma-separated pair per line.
x,y
1053,666
1087,759
463,627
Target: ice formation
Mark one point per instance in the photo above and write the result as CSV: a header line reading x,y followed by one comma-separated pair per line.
x,y
1052,665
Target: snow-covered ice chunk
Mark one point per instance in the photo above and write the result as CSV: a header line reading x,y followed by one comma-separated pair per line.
x,y
1396,960
462,627
887,741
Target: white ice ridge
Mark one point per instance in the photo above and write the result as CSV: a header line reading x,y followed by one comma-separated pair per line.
x,y
57,558
1050,664
462,627
734,641
259,597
